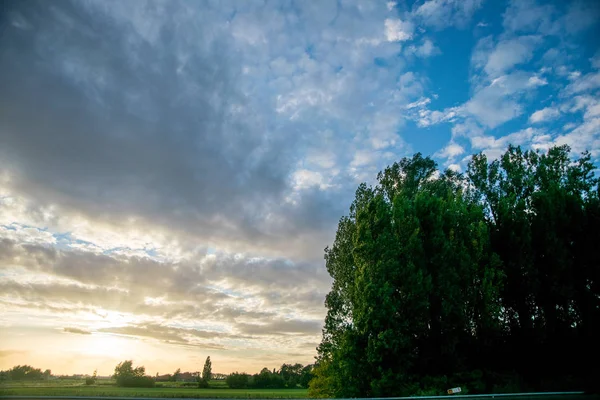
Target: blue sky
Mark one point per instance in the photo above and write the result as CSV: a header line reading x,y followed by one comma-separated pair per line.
x,y
171,171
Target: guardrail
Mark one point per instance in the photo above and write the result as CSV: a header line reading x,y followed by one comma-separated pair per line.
x,y
485,396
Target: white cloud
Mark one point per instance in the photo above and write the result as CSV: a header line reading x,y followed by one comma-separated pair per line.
x,y
304,179
585,136
450,152
493,147
584,83
468,128
527,16
325,159
536,81
592,111
397,30
595,60
500,101
427,49
509,53
574,75
543,115
426,117
492,108
362,158
444,13
419,103
25,234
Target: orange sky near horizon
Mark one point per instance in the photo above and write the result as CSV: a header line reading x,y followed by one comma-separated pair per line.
x,y
67,353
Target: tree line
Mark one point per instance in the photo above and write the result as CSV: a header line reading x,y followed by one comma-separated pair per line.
x,y
289,376
24,373
127,375
487,280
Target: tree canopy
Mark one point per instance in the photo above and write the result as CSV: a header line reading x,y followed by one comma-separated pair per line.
x,y
487,280
127,376
206,374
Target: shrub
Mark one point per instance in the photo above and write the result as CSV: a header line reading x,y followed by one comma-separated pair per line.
x,y
237,380
90,381
202,384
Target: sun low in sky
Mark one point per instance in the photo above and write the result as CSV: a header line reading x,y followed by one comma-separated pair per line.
x,y
170,172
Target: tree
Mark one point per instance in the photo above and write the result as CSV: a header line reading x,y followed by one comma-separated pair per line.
x,y
237,380
25,372
484,281
125,369
543,219
127,376
291,374
417,247
91,380
267,379
206,374
176,375
306,375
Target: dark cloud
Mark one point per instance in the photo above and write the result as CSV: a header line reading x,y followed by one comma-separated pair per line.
x,y
168,334
279,327
77,330
137,277
103,114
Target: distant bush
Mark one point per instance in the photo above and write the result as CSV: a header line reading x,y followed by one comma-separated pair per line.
x,y
202,384
267,380
25,373
90,381
237,380
135,381
188,384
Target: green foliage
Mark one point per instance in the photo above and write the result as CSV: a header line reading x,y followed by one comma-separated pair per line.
x,y
206,374
202,384
438,278
321,385
176,375
127,376
267,379
25,373
306,375
289,376
237,380
91,380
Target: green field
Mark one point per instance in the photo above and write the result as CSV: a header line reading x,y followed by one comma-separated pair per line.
x,y
73,389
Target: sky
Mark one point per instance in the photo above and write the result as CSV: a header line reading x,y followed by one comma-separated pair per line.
x,y
171,171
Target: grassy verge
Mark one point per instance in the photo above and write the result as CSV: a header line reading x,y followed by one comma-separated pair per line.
x,y
113,391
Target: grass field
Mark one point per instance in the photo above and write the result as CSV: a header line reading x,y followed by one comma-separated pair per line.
x,y
172,392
